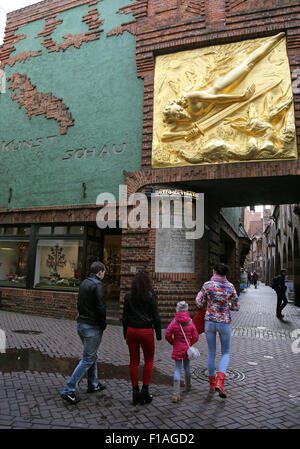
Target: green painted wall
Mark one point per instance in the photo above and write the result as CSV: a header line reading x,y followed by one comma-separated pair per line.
x,y
233,215
99,84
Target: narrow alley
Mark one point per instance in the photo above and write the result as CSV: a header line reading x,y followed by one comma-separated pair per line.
x,y
262,384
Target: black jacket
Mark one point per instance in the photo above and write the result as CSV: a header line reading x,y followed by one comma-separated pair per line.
x,y
91,306
145,317
281,287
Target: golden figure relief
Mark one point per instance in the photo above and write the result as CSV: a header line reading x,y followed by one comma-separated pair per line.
x,y
234,103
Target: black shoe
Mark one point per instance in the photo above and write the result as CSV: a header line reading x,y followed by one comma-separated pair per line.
x,y
145,397
135,395
100,387
70,397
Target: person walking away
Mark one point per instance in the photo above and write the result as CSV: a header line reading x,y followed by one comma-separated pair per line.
x,y
278,284
140,316
176,338
255,278
219,297
91,322
249,279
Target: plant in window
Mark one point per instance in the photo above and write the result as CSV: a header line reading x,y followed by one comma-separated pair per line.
x,y
56,259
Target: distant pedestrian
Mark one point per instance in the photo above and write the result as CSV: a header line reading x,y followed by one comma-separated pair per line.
x,y
255,279
91,323
278,284
140,316
176,338
219,297
249,279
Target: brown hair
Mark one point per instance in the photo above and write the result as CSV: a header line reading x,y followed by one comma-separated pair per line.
x,y
221,269
141,288
96,267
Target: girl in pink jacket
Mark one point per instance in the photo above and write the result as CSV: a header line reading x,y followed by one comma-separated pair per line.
x,y
176,338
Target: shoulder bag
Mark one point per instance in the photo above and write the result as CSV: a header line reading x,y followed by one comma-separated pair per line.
x,y
192,351
198,320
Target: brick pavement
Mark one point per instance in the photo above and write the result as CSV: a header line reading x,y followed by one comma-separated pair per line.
x,y
263,377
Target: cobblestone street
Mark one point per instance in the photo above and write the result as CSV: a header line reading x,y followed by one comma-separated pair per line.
x,y
262,385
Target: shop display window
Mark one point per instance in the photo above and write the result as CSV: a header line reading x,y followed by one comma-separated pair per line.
x,y
58,264
112,262
13,263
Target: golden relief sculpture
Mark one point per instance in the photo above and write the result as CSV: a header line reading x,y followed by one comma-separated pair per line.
x,y
225,103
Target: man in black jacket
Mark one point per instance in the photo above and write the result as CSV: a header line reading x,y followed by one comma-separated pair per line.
x,y
280,289
91,323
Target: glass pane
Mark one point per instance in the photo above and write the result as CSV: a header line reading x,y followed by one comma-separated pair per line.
x,y
112,262
76,229
23,231
93,254
58,264
61,230
91,232
1,231
10,231
13,263
45,230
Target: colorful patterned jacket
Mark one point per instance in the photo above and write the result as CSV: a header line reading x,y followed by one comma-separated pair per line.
x,y
218,298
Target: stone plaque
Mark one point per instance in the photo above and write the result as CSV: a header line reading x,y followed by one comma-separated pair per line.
x,y
173,252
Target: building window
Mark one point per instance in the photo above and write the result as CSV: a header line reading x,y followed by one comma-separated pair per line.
x,y
60,230
13,262
45,230
76,229
58,264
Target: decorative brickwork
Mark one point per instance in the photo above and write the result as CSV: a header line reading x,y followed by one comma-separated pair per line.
x,y
48,10
50,26
138,9
93,22
8,47
92,19
37,103
130,27
195,6
250,5
71,39
22,57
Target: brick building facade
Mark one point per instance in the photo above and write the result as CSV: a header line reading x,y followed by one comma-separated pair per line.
x,y
281,241
144,29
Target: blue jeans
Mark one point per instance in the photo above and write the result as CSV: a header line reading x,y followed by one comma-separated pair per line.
x,y
178,365
90,336
224,330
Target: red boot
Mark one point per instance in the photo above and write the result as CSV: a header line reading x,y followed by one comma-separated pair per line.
x,y
220,385
212,383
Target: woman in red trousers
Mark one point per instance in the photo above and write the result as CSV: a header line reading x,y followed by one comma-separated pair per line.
x,y
140,316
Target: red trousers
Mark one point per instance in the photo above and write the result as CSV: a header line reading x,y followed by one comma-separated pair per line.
x,y
137,338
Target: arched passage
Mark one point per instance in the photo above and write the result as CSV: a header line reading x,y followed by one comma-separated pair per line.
x,y
284,257
290,266
277,257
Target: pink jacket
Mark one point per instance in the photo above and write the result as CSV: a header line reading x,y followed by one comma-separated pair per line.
x,y
175,336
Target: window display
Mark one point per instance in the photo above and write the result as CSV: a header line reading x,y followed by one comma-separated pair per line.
x,y
58,256
58,264
93,253
112,262
13,263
